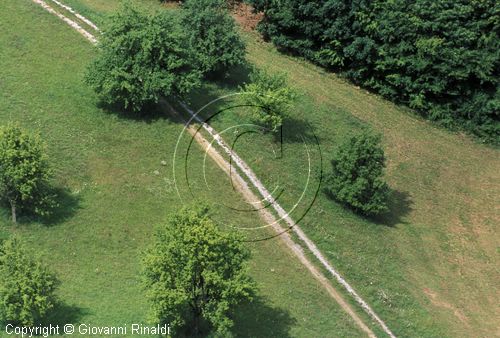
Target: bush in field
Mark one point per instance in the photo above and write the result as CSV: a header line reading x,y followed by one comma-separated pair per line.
x,y
195,274
356,178
270,96
24,172
142,58
26,287
212,33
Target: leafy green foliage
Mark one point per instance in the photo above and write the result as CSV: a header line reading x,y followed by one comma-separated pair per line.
x,y
441,58
213,35
356,178
26,287
270,96
195,273
142,58
24,172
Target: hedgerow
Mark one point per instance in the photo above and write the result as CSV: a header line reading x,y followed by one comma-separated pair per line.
x,y
439,57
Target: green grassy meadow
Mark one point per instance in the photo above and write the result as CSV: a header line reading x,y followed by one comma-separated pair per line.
x,y
114,190
429,269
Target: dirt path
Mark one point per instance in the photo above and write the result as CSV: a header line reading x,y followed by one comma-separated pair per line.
x,y
70,22
81,17
283,215
248,194
241,185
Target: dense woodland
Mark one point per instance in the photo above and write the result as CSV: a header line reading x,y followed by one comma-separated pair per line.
x,y
438,57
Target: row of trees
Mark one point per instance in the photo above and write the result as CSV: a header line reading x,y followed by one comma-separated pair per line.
x,y
143,58
441,58
27,288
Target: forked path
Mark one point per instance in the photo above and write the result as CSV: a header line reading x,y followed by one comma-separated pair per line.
x,y
249,195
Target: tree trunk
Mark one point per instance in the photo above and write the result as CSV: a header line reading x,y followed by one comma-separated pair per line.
x,y
196,324
13,207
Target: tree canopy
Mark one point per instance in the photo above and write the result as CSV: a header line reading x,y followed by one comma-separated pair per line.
x,y
195,274
213,35
24,172
142,58
26,286
356,179
441,58
270,96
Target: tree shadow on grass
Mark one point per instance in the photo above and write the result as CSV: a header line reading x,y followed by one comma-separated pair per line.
x,y
400,205
63,314
150,113
296,130
259,319
233,79
67,205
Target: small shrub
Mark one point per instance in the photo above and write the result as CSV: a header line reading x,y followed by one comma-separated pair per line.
x,y
356,179
270,96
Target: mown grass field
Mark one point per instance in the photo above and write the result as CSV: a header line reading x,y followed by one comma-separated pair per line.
x,y
430,268
114,190
433,262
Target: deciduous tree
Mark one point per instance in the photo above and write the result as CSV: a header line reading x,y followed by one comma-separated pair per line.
x,y
26,286
195,273
213,35
24,172
270,96
142,58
